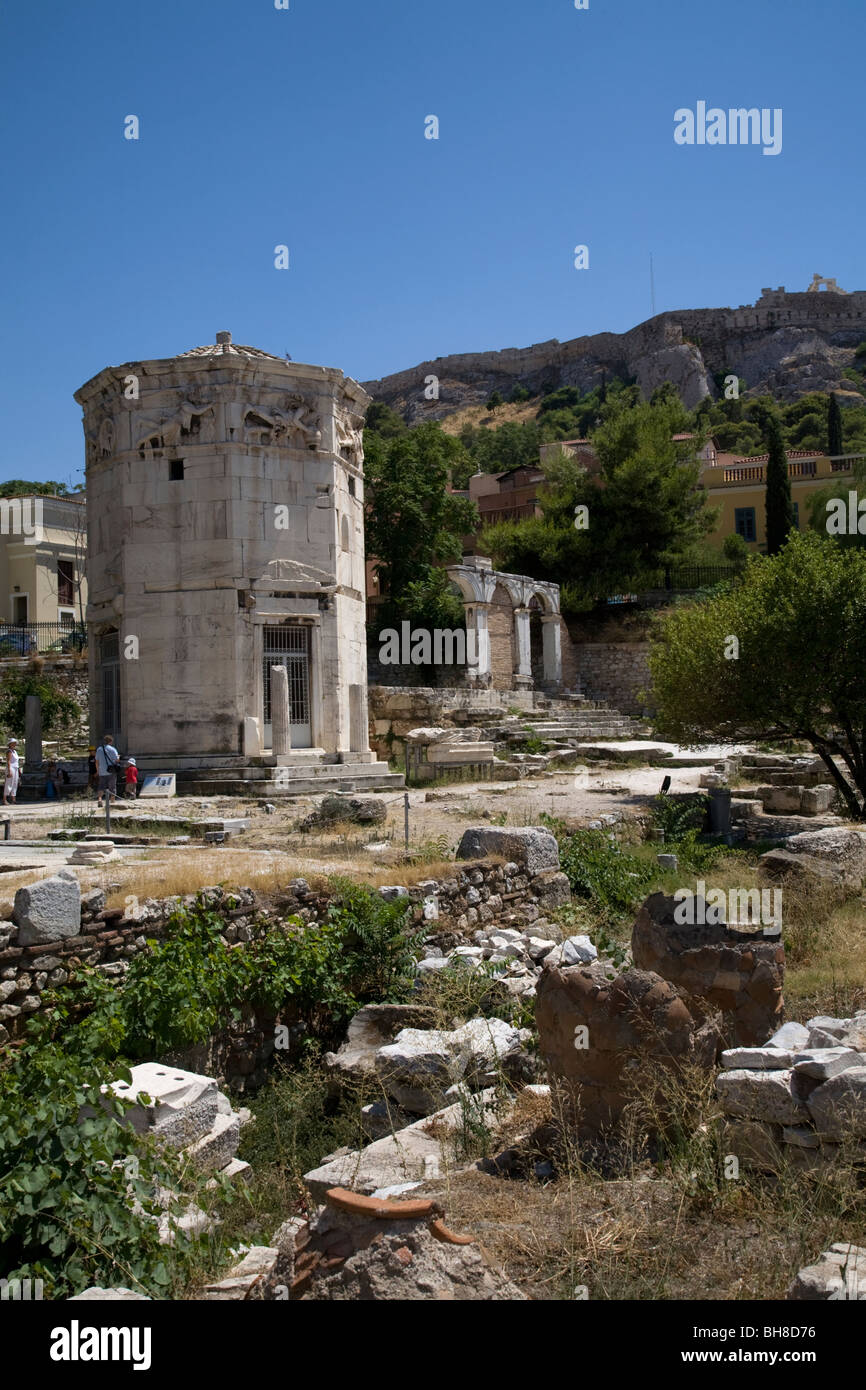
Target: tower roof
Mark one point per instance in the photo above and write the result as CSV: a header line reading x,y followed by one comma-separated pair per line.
x,y
225,346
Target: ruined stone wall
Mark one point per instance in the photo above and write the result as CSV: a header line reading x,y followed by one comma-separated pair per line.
x,y
395,710
478,893
615,672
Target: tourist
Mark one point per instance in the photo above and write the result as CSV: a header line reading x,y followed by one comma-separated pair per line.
x,y
10,786
52,780
107,758
92,774
131,780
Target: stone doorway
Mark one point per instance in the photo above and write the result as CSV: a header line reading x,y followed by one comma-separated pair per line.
x,y
289,646
536,643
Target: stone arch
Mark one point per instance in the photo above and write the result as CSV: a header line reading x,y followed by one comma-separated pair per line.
x,y
546,596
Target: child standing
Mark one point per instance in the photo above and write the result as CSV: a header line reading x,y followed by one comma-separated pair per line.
x,y
131,780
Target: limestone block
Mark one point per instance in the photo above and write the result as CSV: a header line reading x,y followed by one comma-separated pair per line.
x,y
421,1150
369,1030
781,800
532,847
792,1036
815,801
218,1147
575,950
47,911
760,1095
99,1295
757,1059
181,1106
838,1106
840,1275
822,1063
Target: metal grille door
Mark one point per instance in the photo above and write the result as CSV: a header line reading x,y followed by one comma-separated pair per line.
x,y
290,647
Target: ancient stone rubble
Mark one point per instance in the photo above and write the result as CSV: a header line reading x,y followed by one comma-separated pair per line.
x,y
801,1099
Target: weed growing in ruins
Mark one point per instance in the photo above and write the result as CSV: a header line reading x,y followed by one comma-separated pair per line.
x,y
299,1116
380,944
599,869
67,1184
194,982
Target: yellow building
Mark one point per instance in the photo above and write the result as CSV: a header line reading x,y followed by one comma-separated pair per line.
x,y
43,547
738,487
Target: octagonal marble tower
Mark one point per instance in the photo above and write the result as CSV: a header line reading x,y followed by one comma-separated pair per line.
x,y
225,535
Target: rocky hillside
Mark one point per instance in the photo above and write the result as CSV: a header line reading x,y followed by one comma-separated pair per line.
x,y
784,344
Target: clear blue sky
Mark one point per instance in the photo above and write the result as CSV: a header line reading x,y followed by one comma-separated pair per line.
x,y
306,127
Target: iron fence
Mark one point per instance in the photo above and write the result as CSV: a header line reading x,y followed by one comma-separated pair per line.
x,y
42,639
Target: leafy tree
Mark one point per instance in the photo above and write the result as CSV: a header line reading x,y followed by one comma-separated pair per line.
x,y
494,401
780,510
414,524
385,421
644,511
834,428
59,711
799,618
68,1184
735,550
22,487
821,510
520,394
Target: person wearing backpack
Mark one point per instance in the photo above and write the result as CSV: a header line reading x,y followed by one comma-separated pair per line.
x,y
107,758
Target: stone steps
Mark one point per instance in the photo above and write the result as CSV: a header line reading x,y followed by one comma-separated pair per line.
x,y
293,781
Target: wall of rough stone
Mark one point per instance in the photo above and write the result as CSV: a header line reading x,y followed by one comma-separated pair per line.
x,y
738,972
478,893
614,672
395,710
500,625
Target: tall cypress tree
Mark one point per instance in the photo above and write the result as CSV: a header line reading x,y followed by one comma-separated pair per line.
x,y
780,511
834,427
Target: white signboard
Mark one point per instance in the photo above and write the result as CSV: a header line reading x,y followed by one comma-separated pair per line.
x,y
158,784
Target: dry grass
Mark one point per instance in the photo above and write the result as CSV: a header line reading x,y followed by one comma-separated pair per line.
x,y
670,1228
267,873
507,413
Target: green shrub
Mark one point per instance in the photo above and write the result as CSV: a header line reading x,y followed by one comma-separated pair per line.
x,y
376,942
67,1187
599,869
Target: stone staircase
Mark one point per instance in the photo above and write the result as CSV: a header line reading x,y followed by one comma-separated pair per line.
x,y
562,720
265,778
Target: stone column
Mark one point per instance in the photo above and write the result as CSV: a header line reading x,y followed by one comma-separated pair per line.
x,y
477,641
552,638
32,732
359,732
523,674
281,729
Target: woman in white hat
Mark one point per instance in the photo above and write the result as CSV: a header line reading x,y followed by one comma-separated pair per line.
x,y
10,786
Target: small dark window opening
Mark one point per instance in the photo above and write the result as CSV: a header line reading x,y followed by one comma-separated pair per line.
x,y
175,470
351,487
65,581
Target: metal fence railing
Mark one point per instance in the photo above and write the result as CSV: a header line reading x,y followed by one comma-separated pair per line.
x,y
32,639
